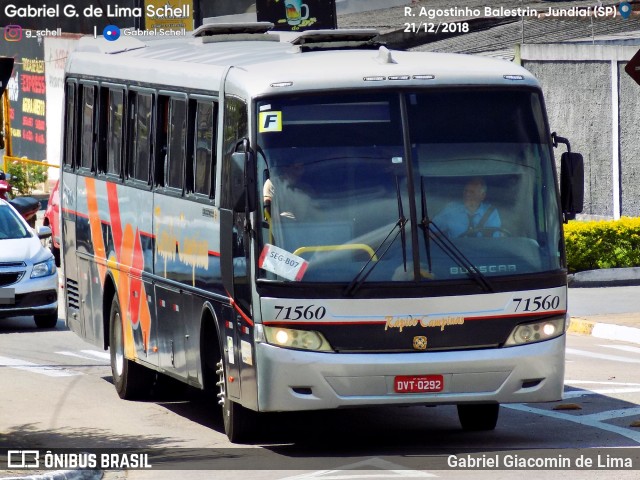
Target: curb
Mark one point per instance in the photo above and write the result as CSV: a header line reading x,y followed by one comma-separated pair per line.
x,y
608,277
62,475
606,331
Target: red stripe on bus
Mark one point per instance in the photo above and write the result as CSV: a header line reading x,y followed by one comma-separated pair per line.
x,y
114,210
239,310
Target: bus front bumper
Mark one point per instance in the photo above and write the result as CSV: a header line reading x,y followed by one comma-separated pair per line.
x,y
290,380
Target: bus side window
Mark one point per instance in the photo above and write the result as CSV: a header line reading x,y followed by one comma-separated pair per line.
x,y
177,143
88,126
114,132
70,117
204,148
139,128
234,130
162,137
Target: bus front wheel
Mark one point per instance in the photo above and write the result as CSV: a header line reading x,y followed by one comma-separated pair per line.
x,y
478,417
132,381
238,420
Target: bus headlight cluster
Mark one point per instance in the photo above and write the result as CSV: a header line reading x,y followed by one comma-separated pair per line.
x,y
536,331
300,339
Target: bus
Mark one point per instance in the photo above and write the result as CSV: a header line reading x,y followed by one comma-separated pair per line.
x,y
258,215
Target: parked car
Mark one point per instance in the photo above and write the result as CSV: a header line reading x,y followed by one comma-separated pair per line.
x,y
52,220
28,274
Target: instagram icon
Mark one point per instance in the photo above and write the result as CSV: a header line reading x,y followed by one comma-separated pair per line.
x,y
13,33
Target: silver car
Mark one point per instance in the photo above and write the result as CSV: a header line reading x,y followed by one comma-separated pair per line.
x,y
28,276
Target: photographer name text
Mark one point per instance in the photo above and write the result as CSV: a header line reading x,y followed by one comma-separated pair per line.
x,y
92,11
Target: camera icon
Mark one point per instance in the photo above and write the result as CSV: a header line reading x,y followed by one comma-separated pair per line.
x,y
13,33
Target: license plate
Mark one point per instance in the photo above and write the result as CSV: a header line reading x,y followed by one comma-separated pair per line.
x,y
418,383
7,296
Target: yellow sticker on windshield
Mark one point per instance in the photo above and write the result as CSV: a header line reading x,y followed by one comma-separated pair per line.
x,y
270,122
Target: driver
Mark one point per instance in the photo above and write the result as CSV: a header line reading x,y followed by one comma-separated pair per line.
x,y
289,183
471,217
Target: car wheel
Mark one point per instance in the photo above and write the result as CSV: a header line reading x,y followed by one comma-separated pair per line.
x,y
46,320
238,420
478,417
132,381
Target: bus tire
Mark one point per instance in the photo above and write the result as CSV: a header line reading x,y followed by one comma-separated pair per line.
x,y
238,420
479,417
132,381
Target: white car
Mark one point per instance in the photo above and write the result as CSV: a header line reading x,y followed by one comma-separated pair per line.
x,y
28,276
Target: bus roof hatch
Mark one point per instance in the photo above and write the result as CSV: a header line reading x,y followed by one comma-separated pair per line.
x,y
337,39
212,29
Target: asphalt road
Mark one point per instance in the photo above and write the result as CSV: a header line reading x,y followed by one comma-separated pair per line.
x,y
57,393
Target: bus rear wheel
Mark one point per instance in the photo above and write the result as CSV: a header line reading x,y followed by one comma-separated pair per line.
x,y
479,417
238,420
132,381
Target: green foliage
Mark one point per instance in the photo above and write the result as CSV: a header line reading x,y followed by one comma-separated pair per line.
x,y
25,177
603,244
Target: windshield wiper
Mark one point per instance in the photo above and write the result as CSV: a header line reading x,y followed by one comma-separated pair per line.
x,y
447,246
401,224
424,224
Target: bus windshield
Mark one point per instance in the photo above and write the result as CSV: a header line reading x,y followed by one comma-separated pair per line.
x,y
454,179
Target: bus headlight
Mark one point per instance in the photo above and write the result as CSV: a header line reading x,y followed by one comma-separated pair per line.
x,y
536,331
300,339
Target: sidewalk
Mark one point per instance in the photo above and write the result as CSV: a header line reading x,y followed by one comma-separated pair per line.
x,y
622,327
619,326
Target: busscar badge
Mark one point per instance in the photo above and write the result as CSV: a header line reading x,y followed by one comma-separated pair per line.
x,y
420,343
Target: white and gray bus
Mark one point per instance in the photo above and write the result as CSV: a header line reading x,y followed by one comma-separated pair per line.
x,y
273,220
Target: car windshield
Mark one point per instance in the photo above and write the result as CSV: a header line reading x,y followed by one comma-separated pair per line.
x,y
467,184
10,225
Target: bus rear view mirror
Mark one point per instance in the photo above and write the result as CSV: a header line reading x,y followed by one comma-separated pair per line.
x,y
243,182
571,184
237,181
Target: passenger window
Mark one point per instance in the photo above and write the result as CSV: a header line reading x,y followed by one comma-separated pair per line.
x,y
177,138
162,129
114,132
69,124
142,110
88,120
205,151
235,128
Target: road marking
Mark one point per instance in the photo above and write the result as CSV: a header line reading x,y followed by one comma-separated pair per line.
x,y
47,370
370,468
602,356
624,348
88,355
585,420
603,391
95,353
588,382
611,414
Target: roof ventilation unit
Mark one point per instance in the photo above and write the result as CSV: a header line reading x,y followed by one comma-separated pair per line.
x,y
311,40
234,32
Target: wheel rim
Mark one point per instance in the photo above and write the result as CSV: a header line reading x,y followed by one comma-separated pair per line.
x,y
118,347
